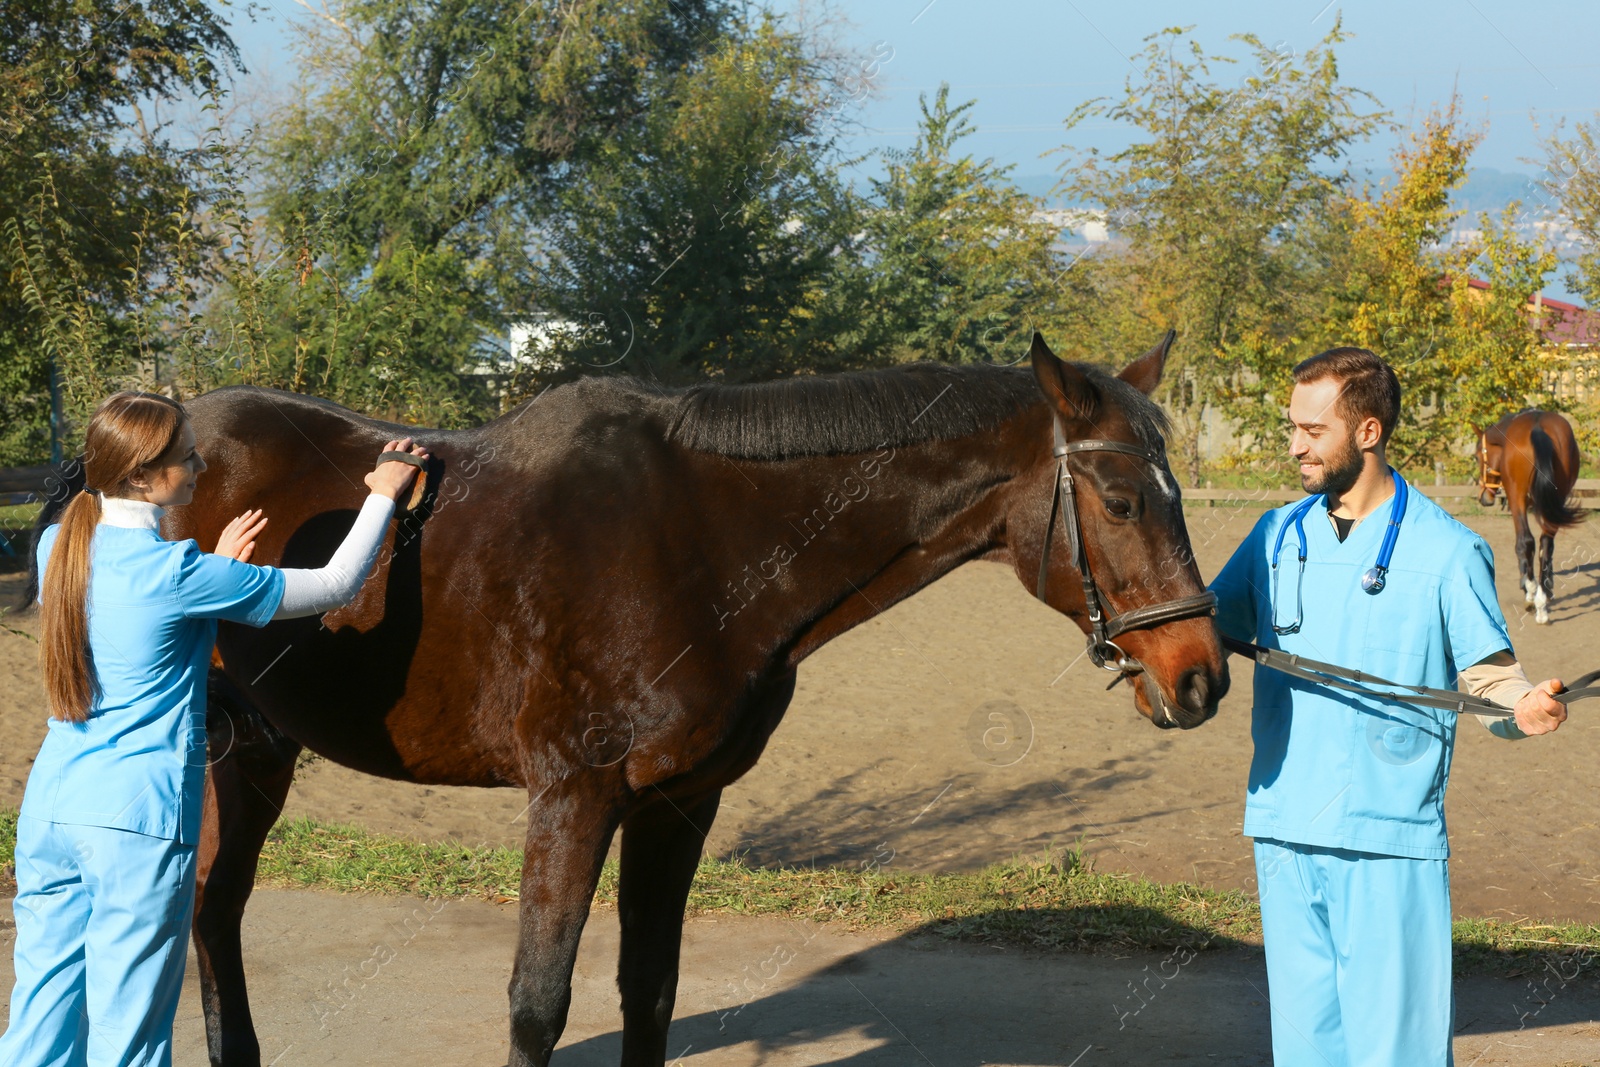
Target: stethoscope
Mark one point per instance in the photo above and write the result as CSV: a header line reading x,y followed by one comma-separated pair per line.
x,y
1373,581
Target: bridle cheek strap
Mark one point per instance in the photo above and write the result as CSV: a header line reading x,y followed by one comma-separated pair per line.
x,y
1105,629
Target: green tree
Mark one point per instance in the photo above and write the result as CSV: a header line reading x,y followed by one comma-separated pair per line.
x,y
1212,201
405,188
958,263
1569,191
1491,355
1384,280
1387,284
1464,355
83,197
711,241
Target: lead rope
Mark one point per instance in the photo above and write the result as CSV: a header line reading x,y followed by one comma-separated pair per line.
x,y
1337,677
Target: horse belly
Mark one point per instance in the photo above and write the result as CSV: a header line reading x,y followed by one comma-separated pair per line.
x,y
754,721
413,722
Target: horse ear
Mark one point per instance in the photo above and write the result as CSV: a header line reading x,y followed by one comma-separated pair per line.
x,y
1067,388
1144,373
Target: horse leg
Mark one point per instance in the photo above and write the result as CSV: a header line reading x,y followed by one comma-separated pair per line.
x,y
1547,575
252,766
1519,521
568,836
661,847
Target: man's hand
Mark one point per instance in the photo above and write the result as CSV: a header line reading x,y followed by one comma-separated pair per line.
x,y
1537,713
238,537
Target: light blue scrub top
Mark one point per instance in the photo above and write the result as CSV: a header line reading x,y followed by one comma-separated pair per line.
x,y
138,763
1330,768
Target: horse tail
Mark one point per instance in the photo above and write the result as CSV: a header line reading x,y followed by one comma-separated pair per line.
x,y
59,488
1549,499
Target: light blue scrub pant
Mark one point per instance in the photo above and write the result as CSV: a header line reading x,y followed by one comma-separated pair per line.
x,y
102,935
1358,957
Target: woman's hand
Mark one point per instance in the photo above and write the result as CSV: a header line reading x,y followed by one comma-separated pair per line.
x,y
392,476
238,537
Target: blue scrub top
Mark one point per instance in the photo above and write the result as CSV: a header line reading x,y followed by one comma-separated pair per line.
x,y
138,763
1330,768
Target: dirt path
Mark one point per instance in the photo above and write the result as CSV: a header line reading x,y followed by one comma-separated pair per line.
x,y
399,980
882,758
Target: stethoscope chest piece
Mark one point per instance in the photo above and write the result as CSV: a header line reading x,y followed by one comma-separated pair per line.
x,y
1372,582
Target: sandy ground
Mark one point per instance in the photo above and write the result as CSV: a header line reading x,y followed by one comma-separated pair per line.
x,y
882,758
387,980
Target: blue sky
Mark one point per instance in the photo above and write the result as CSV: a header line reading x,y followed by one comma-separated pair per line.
x,y
1028,62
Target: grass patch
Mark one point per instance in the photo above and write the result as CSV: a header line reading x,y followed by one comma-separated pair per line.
x,y
16,527
16,523
8,848
1053,902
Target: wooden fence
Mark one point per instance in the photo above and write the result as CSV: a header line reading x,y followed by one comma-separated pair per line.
x,y
1446,495
25,485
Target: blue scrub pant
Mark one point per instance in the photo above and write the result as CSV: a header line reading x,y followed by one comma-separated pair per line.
x,y
1358,957
102,935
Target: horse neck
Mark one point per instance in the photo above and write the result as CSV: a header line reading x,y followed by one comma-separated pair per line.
x,y
847,537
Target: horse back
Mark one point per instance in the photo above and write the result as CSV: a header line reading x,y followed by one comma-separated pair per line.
x,y
518,553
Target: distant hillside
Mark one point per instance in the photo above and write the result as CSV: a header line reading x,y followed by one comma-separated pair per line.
x,y
1490,190
1039,185
1486,189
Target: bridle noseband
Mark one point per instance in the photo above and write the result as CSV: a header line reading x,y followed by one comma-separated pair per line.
x,y
1104,628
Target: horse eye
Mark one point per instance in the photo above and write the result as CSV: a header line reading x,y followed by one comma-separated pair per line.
x,y
1120,508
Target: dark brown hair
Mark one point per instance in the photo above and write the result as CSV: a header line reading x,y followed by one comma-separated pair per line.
x,y
1370,387
128,432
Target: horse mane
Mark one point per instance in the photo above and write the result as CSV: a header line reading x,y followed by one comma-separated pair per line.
x,y
859,411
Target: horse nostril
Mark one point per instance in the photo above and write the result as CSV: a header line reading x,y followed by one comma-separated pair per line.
x,y
1194,689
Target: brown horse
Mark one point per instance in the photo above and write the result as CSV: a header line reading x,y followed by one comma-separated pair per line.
x,y
603,595
1532,458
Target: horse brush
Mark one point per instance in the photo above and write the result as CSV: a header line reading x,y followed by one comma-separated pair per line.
x,y
421,484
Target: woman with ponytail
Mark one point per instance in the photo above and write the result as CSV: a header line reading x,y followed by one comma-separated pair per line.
x,y
110,818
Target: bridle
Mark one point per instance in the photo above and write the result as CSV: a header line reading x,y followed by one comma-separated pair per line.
x,y
1106,628
1486,486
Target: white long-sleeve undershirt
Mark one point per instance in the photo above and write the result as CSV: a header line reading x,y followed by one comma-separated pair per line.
x,y
306,590
1502,684
312,591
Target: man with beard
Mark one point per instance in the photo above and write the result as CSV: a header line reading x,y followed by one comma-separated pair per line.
x,y
1346,794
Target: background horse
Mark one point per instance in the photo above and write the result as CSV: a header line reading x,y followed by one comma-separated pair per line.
x,y
1532,457
602,598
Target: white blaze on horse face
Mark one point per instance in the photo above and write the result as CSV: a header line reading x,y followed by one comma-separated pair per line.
x,y
1166,483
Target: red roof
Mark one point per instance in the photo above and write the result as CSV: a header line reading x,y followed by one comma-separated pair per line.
x,y
1562,323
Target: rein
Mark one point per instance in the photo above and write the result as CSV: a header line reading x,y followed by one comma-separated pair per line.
x,y
1489,479
1106,626
1337,677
